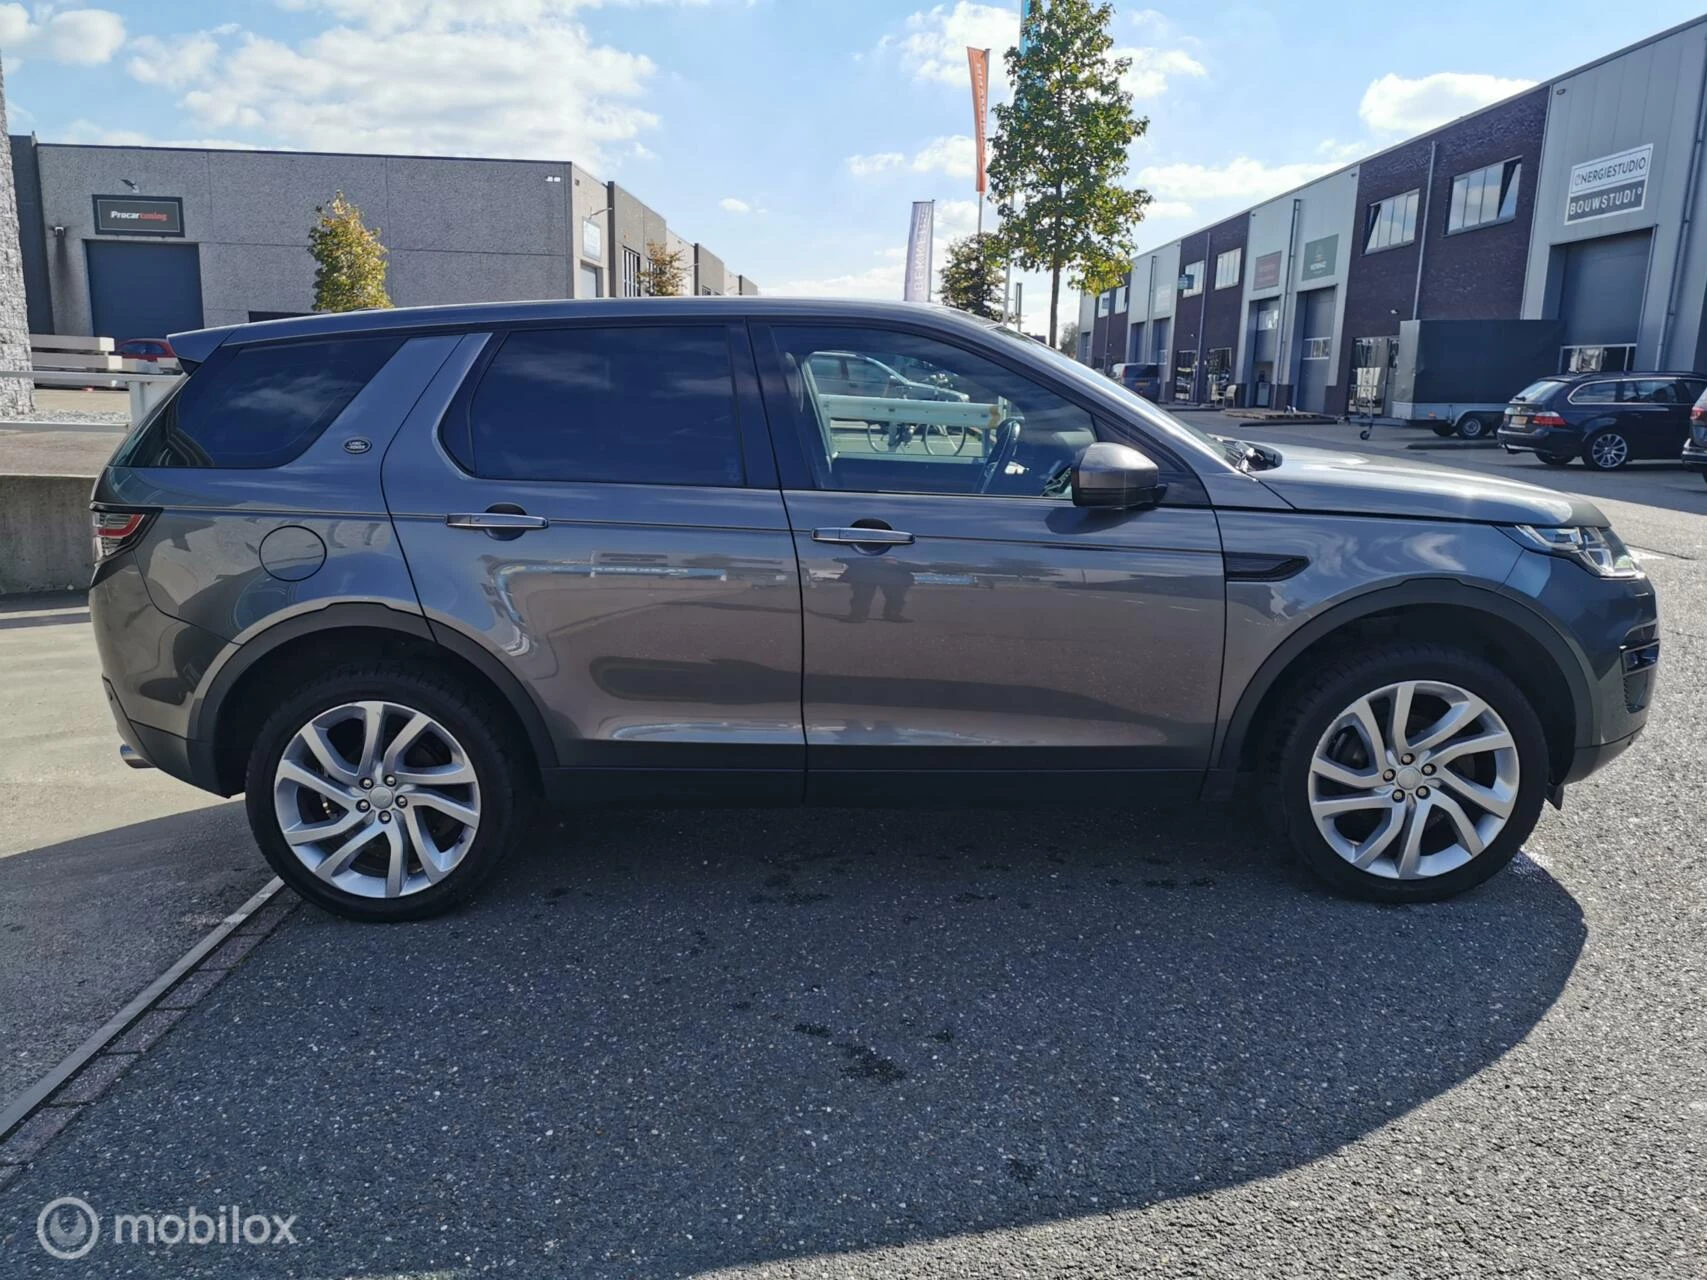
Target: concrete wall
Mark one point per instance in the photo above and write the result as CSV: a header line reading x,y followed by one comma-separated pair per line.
x,y
45,533
1648,95
589,199
709,274
458,230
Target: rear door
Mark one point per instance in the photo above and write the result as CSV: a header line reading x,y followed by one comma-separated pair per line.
x,y
1656,413
967,628
592,509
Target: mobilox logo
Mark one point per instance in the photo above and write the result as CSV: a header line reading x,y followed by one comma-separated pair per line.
x,y
68,1228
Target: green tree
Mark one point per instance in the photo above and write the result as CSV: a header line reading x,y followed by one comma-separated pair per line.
x,y
350,275
664,276
972,275
1060,151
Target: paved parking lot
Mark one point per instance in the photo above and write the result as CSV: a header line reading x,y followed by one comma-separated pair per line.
x,y
877,1044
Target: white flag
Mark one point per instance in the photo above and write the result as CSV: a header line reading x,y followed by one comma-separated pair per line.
x,y
918,285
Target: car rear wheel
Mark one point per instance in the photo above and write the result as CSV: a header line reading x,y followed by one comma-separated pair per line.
x,y
1555,459
385,793
1409,775
1606,450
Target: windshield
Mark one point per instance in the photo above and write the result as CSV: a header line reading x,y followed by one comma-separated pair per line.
x,y
1177,432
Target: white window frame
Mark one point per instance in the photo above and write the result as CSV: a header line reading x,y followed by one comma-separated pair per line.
x,y
1391,223
631,277
1228,264
1194,273
1508,173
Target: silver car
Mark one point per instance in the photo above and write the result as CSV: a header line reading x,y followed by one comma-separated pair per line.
x,y
398,576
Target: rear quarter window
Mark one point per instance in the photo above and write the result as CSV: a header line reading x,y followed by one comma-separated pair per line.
x,y
1596,393
251,407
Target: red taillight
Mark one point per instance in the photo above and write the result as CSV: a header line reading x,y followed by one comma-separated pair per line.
x,y
1547,420
115,530
1698,414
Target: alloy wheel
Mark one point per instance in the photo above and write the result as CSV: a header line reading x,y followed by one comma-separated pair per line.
x,y
377,799
1414,780
1609,450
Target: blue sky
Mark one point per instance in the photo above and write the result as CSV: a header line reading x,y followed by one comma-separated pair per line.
x,y
788,135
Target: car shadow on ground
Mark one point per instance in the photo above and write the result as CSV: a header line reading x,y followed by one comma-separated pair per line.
x,y
663,1043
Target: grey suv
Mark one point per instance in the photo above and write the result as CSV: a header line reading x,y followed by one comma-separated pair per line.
x,y
397,575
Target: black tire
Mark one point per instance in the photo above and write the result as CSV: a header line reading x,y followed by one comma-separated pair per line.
x,y
500,758
1608,440
1472,426
1444,429
1315,705
1556,459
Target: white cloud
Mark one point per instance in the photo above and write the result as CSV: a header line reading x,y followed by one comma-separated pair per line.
x,y
173,62
1239,179
881,281
90,131
1168,209
957,218
86,37
869,166
1395,104
955,155
731,205
932,44
1151,70
498,78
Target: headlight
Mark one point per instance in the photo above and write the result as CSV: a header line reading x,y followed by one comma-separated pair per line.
x,y
1600,551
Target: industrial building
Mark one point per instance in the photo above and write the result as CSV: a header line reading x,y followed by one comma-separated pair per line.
x,y
128,242
1578,201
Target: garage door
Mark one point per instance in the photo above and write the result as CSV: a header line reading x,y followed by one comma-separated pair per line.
x,y
1316,342
1600,301
144,290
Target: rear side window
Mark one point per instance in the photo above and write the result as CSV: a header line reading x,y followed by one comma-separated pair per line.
x,y
650,404
1536,391
1596,393
258,406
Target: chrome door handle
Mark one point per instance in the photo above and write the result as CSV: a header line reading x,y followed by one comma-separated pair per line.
x,y
864,537
502,521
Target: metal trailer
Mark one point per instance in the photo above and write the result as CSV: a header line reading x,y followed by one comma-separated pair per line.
x,y
1456,376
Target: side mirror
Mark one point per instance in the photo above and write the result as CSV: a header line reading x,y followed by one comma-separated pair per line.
x,y
1116,477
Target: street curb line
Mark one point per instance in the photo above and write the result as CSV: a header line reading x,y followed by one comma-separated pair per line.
x,y
27,1104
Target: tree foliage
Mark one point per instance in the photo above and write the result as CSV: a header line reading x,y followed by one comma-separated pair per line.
x,y
350,275
972,275
1060,150
665,275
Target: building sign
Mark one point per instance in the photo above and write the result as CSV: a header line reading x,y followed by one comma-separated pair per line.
x,y
1612,184
592,240
138,216
1265,271
1321,257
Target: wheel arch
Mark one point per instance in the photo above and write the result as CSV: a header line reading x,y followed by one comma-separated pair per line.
x,y
1486,621
225,718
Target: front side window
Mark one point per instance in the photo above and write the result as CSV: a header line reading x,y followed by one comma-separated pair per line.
x,y
1227,268
1485,196
967,426
258,406
1392,222
1655,391
633,404
1191,280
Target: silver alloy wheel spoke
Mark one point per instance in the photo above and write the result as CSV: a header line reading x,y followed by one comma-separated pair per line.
x,y
1405,813
408,828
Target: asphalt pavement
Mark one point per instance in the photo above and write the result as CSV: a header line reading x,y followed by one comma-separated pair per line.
x,y
881,1044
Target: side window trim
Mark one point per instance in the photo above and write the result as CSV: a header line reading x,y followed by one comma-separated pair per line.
x,y
455,432
1185,489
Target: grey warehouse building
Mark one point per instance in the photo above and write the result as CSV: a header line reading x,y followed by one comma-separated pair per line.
x,y
128,242
1578,202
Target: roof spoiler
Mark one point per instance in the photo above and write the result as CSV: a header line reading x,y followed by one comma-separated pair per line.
x,y
195,346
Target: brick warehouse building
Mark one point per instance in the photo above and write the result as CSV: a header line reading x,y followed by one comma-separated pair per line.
x,y
134,242
1578,200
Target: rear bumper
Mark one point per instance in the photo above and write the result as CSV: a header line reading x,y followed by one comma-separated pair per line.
x,y
146,747
1695,456
1541,439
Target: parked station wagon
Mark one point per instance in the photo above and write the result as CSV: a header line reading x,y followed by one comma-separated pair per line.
x,y
399,575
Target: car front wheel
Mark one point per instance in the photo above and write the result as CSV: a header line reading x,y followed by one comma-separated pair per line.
x,y
385,793
1606,451
1409,775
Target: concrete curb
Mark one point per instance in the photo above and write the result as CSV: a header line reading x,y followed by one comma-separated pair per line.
x,y
1454,444
42,1111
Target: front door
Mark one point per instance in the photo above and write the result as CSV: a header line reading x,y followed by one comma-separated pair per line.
x,y
965,625
1654,413
589,512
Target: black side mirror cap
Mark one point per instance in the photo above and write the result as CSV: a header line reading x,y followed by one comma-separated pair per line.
x,y
1116,477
